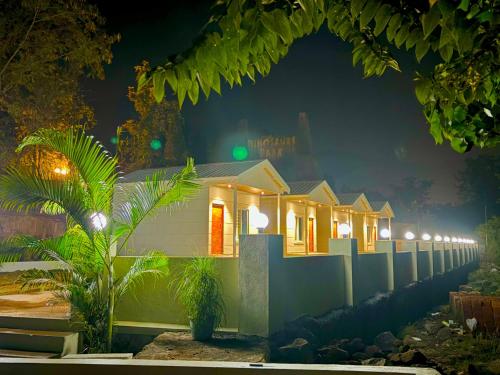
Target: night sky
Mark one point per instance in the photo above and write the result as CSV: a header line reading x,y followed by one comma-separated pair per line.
x,y
367,133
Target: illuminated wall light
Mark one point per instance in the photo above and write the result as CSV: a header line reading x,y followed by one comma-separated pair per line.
x,y
62,171
438,238
446,239
98,220
385,233
454,239
229,186
344,229
460,240
426,237
218,201
409,235
261,221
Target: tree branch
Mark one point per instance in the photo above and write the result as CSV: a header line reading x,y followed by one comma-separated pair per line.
x,y
20,45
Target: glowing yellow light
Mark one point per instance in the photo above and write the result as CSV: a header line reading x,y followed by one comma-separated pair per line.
x,y
438,238
426,237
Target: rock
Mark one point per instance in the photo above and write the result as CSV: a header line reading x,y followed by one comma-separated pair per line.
x,y
491,368
373,351
290,333
332,354
387,342
360,356
394,357
307,322
412,341
412,357
299,351
355,345
374,362
432,327
444,334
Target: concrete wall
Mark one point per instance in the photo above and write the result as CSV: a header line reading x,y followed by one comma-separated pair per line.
x,y
372,275
154,301
404,269
276,289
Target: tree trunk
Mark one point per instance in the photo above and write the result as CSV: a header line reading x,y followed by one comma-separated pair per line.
x,y
111,304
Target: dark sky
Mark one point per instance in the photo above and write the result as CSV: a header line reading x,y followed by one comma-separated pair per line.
x,y
367,133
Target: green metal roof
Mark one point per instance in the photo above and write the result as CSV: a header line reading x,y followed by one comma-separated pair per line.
x,y
303,187
210,170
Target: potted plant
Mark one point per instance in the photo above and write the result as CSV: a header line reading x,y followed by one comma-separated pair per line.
x,y
200,292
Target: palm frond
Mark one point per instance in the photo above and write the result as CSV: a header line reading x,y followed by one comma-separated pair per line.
x,y
154,263
156,192
23,190
36,279
93,163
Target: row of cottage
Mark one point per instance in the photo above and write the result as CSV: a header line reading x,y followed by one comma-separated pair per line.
x,y
250,197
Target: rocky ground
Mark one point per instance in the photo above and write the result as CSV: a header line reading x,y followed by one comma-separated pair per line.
x,y
435,342
223,347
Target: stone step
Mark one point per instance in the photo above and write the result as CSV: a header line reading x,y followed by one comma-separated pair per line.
x,y
37,323
59,342
6,353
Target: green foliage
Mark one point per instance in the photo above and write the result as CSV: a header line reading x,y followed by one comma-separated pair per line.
x,y
200,291
486,281
489,233
87,280
246,37
47,48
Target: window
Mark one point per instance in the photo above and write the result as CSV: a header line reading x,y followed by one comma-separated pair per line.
x,y
299,228
243,221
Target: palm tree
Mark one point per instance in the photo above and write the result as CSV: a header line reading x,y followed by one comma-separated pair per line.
x,y
97,230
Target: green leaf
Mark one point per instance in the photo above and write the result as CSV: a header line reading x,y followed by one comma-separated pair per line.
x,y
194,92
423,90
283,26
171,79
435,128
402,35
446,37
356,7
446,52
159,85
459,145
421,49
464,5
412,39
459,113
430,20
394,25
382,18
368,12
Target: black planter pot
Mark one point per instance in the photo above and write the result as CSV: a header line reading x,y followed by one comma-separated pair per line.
x,y
202,330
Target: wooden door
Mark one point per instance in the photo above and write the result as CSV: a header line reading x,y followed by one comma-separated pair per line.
x,y
217,229
310,237
335,229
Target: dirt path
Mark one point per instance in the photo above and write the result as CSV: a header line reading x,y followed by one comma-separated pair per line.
x,y
223,347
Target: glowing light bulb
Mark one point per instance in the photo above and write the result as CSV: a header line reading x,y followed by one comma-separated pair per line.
x,y
426,237
385,233
98,220
438,238
409,235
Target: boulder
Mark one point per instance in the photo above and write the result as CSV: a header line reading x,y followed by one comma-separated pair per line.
x,y
374,362
354,345
290,333
307,322
299,351
332,354
413,357
432,327
387,342
444,334
374,351
360,356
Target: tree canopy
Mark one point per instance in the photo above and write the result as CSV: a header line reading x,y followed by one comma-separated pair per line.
x,y
46,48
244,38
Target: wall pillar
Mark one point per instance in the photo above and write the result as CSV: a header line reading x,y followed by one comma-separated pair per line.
x,y
257,254
348,248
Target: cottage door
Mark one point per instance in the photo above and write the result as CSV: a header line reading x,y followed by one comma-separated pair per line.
x,y
217,229
310,232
